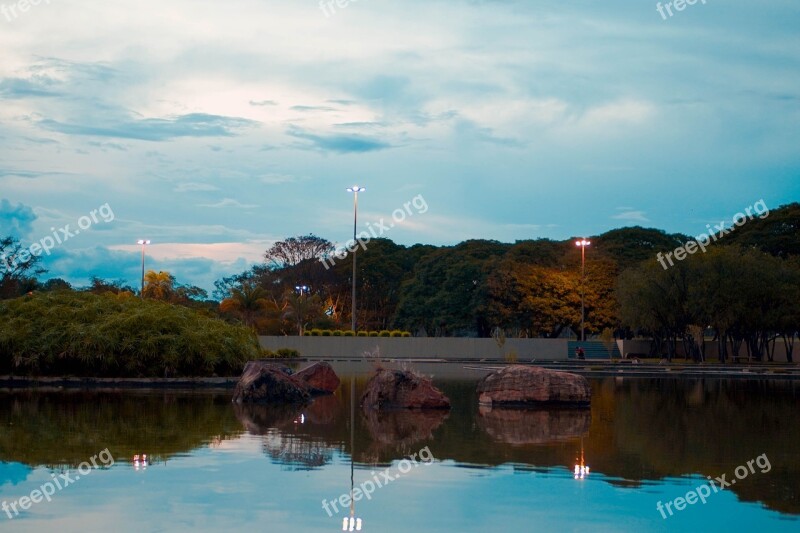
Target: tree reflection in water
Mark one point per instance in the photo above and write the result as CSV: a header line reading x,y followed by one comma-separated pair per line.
x,y
637,431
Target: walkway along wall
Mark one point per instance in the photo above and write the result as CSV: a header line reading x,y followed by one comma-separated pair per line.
x,y
641,348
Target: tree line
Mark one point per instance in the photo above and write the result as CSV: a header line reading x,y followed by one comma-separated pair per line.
x,y
743,291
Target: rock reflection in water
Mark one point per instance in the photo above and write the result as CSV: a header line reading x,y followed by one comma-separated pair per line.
x,y
286,431
400,430
534,426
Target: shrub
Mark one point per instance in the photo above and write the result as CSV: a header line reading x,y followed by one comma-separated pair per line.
x,y
406,334
511,356
316,332
373,333
326,333
306,333
349,333
396,333
337,333
385,333
363,334
288,353
84,334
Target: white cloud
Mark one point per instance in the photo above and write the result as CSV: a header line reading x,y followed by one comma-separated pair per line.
x,y
631,215
229,202
195,187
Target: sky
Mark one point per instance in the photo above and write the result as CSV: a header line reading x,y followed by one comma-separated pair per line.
x,y
215,128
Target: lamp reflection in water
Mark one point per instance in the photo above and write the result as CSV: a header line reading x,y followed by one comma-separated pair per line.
x,y
352,523
140,462
581,470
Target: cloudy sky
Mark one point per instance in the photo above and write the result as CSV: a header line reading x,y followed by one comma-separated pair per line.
x,y
214,128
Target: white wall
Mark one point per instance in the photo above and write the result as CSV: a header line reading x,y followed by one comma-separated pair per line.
x,y
419,347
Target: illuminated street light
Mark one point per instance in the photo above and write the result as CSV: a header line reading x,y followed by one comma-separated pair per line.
x,y
583,243
143,243
355,190
302,289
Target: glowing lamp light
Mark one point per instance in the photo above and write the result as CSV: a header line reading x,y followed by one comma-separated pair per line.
x,y
582,242
356,188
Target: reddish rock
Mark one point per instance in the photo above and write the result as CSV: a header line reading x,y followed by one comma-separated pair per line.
x,y
398,389
534,426
519,385
319,378
263,382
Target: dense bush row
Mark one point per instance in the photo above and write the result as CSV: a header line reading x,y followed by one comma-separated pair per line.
x,y
350,333
282,353
83,334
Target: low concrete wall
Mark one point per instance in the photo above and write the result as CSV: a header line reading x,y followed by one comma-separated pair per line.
x,y
419,347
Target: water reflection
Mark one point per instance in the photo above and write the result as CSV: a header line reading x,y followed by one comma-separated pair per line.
x,y
288,433
400,431
534,426
581,468
637,432
63,429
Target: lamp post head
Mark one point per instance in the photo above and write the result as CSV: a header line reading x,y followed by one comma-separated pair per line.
x,y
142,242
356,189
582,242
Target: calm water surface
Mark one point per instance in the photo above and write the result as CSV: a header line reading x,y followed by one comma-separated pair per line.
x,y
217,467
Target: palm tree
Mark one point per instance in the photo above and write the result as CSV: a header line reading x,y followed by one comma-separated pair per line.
x,y
302,309
247,301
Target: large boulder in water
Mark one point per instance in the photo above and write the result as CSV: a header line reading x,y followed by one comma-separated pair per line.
x,y
319,378
402,389
522,386
263,382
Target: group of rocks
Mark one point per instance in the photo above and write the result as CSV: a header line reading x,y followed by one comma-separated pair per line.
x,y
512,386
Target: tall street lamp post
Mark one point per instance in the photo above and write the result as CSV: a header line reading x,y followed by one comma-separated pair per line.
x,y
583,243
143,243
355,190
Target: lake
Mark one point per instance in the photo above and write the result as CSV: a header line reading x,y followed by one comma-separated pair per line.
x,y
213,466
